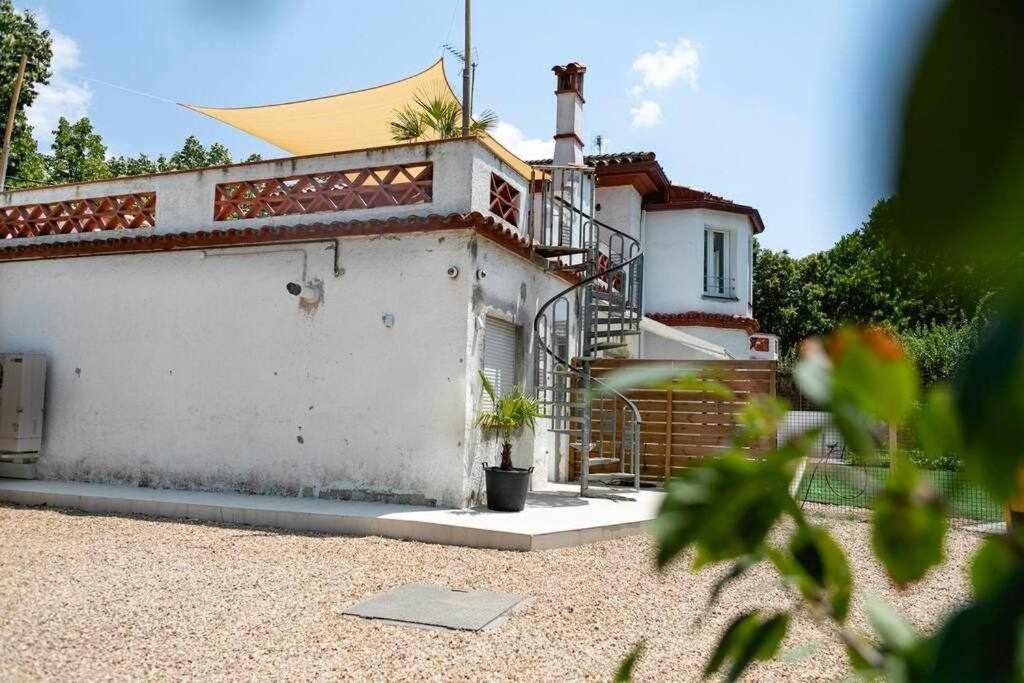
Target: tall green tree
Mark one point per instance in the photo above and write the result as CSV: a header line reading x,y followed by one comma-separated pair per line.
x,y
128,166
78,153
868,277
20,34
194,155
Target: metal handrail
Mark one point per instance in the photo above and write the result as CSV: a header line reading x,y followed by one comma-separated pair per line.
x,y
636,256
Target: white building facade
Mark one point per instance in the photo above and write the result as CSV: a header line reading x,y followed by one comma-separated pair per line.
x,y
317,325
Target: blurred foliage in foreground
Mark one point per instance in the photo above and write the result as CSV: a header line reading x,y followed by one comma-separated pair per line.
x,y
961,185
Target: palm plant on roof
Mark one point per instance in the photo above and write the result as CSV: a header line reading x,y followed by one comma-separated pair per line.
x,y
512,412
435,117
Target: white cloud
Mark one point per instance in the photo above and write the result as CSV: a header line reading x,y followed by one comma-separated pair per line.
x,y
636,90
520,145
667,64
646,114
61,97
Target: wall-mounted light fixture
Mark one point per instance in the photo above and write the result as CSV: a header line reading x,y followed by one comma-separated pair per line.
x,y
388,319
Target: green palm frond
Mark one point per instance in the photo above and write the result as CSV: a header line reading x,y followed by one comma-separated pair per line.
x,y
408,125
511,412
435,115
484,122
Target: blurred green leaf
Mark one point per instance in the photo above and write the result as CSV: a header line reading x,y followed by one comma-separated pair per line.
x,y
893,631
979,642
990,402
747,639
813,373
815,564
759,419
872,374
725,507
937,426
625,671
994,564
664,376
961,163
908,525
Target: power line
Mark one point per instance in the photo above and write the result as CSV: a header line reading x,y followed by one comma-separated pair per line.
x,y
130,90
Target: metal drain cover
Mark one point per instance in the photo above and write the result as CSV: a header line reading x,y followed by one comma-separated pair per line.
x,y
427,604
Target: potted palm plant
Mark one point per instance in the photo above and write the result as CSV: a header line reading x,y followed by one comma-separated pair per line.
x,y
507,486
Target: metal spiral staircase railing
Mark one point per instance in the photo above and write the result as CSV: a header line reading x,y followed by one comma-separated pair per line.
x,y
593,316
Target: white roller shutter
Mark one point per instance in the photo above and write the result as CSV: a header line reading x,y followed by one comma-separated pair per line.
x,y
500,340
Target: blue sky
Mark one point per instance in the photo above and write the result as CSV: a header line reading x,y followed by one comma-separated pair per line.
x,y
788,106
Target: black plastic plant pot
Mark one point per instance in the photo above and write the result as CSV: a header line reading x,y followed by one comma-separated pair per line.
x,y
507,489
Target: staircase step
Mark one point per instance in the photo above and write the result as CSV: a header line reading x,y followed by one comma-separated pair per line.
x,y
552,250
610,476
603,461
573,268
607,346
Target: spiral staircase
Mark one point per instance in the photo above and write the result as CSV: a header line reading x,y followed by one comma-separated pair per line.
x,y
586,321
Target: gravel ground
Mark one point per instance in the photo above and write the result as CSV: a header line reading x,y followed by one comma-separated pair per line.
x,y
91,597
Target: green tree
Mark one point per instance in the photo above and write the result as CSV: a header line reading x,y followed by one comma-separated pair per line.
x,y
868,277
129,166
78,153
193,155
20,34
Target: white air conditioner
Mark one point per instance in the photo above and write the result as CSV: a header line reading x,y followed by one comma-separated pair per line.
x,y
22,380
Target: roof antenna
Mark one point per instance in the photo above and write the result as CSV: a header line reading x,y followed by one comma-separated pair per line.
x,y
599,142
461,56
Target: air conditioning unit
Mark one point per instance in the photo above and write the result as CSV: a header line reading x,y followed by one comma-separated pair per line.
x,y
22,380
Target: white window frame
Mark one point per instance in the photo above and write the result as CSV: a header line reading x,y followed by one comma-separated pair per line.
x,y
728,286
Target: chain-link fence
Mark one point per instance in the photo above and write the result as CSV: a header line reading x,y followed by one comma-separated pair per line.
x,y
834,476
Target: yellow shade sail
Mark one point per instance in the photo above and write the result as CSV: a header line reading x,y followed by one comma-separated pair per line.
x,y
338,123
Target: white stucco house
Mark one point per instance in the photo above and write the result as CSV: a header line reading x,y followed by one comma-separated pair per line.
x,y
314,325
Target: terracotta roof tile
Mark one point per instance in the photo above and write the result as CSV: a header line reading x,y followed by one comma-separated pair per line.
x,y
705,319
129,241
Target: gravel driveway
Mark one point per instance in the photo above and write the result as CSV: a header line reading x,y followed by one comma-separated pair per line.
x,y
90,597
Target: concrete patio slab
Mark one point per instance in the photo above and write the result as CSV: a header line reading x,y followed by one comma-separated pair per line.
x,y
554,518
425,604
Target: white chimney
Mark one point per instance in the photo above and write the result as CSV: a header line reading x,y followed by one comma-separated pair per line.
x,y
569,114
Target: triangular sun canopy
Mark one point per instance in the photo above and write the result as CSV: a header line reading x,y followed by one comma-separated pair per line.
x,y
349,121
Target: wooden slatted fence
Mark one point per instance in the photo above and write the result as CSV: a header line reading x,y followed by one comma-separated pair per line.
x,y
681,427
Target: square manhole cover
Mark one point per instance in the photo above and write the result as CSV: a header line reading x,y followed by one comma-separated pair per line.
x,y
431,605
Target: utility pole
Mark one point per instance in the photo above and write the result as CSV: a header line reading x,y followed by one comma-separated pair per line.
x,y
467,83
9,128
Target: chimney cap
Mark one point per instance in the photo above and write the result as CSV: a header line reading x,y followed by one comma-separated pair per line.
x,y
570,78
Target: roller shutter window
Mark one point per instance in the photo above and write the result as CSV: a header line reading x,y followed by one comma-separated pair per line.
x,y
500,354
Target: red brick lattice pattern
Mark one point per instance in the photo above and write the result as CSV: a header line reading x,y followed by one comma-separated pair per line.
x,y
120,212
360,188
504,200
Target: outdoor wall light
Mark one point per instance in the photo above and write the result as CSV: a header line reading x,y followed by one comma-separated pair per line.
x,y
388,319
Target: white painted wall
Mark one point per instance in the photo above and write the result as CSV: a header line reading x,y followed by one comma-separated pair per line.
x,y
184,201
735,342
620,208
661,342
175,370
674,262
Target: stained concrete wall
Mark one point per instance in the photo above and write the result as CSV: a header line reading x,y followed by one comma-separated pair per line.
x,y
513,290
198,370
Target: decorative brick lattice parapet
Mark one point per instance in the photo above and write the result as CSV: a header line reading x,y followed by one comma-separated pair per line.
x,y
504,200
360,188
96,214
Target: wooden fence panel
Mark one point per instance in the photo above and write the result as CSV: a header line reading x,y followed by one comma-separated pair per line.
x,y
681,427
